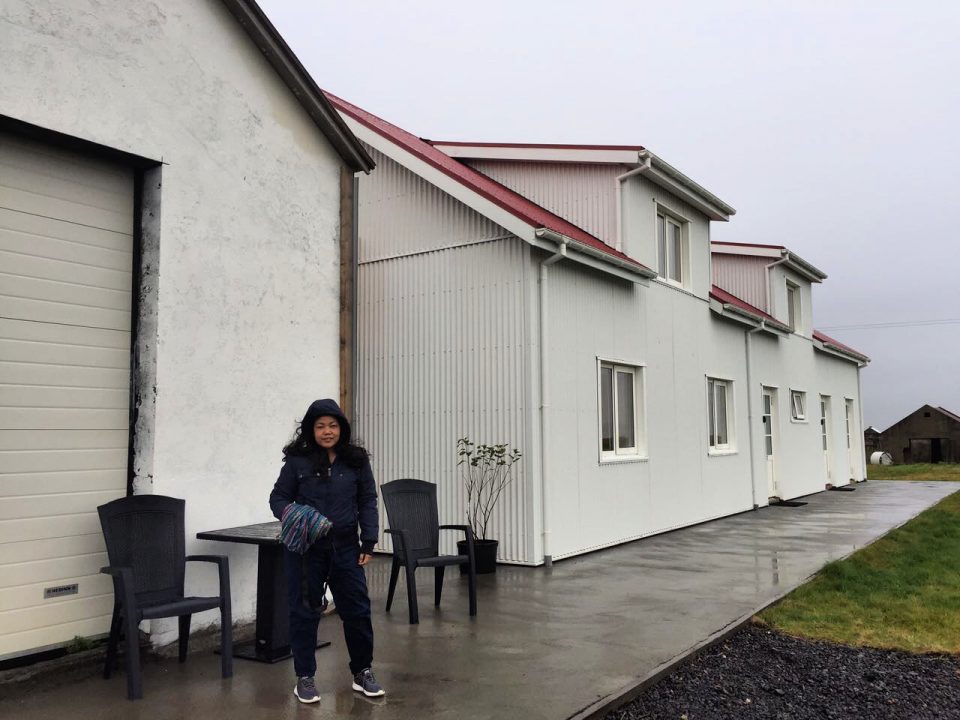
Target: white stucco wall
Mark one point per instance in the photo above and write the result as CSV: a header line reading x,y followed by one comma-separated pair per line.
x,y
246,285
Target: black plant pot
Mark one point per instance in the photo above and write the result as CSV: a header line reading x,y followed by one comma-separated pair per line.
x,y
485,555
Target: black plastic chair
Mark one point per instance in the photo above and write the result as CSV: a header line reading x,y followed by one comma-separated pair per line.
x,y
145,547
415,527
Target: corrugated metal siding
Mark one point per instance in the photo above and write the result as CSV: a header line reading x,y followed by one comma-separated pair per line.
x,y
400,214
441,355
584,194
742,276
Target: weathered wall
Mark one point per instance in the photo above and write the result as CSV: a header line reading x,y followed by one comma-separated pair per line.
x,y
921,426
244,292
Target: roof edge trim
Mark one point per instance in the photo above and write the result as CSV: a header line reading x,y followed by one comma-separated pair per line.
x,y
283,60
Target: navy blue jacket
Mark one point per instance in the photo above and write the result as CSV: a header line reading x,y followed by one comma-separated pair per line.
x,y
345,495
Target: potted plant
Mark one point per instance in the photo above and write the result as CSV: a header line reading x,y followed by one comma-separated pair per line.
x,y
486,471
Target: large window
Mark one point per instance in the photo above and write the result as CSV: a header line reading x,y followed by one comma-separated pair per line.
x,y
793,306
719,400
669,248
798,405
621,422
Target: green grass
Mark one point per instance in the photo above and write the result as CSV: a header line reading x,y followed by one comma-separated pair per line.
x,y
901,592
917,471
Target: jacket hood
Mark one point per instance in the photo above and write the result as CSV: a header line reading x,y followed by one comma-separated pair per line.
x,y
328,407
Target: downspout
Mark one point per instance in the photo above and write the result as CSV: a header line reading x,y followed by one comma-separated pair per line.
x,y
647,161
753,458
769,307
863,454
560,253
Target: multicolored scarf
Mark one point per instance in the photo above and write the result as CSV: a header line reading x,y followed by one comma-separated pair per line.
x,y
301,526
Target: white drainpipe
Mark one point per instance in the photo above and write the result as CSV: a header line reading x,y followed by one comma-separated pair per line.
x,y
560,253
769,307
636,171
753,458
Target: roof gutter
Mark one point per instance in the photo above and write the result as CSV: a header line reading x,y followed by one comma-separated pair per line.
x,y
632,268
672,179
803,267
295,76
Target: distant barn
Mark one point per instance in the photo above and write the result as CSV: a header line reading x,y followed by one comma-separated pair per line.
x,y
927,435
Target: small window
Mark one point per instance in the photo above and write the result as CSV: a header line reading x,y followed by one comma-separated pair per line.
x,y
620,422
669,248
718,411
798,405
793,306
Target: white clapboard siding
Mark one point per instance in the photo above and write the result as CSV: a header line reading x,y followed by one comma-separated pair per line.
x,y
66,273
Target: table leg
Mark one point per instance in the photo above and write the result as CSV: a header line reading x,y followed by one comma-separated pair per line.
x,y
272,638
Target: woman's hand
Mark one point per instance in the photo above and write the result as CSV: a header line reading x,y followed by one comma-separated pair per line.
x,y
364,559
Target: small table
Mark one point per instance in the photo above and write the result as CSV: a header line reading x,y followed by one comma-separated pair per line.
x,y
272,639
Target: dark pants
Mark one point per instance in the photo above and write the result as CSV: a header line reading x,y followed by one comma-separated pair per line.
x,y
337,565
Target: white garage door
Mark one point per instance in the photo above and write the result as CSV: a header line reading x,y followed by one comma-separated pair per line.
x,y
66,243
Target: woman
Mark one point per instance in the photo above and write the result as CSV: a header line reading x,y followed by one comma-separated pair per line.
x,y
324,470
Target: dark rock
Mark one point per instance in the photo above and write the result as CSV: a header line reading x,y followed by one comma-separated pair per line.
x,y
762,674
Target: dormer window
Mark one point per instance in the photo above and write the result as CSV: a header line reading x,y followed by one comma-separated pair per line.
x,y
669,248
793,306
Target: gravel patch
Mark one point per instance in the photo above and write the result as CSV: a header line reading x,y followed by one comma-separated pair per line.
x,y
759,673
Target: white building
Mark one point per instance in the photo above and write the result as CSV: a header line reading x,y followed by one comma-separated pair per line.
x,y
174,194
567,300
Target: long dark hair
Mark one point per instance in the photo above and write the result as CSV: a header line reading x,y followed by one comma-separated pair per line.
x,y
302,444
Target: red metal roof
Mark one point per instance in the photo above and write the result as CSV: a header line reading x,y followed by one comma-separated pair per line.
x,y
738,244
718,293
826,339
517,205
550,146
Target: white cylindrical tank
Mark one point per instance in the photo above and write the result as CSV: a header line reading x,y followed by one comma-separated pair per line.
x,y
881,458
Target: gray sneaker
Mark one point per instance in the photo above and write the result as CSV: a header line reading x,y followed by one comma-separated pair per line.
x,y
365,682
306,690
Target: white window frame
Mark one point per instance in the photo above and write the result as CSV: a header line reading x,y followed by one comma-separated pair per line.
x,y
663,254
794,305
729,447
639,450
802,396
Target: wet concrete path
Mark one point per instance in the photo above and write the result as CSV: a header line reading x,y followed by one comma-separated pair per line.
x,y
547,643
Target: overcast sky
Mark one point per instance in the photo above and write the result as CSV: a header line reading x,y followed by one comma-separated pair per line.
x,y
832,128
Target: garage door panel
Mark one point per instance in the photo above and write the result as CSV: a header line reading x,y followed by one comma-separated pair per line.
x,y
65,314
73,186
54,614
58,355
62,481
70,503
52,571
14,642
61,163
64,292
49,237
24,529
64,375
62,418
88,586
37,461
39,396
68,272
66,335
52,548
25,201
62,440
